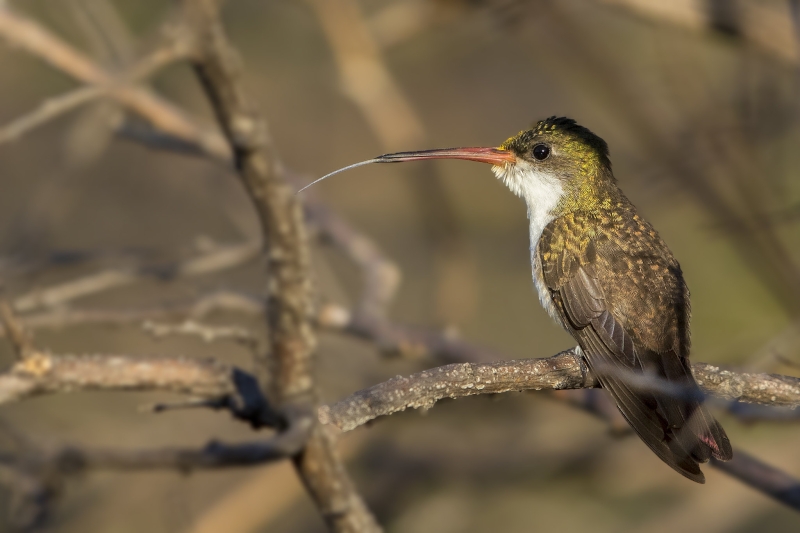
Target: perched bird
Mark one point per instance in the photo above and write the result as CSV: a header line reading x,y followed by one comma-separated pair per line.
x,y
605,275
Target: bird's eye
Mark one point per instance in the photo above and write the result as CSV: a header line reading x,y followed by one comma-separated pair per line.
x,y
541,152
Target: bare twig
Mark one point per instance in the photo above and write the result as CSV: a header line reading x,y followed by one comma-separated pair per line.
x,y
289,290
16,332
47,374
206,332
380,275
47,111
423,390
197,309
35,39
221,258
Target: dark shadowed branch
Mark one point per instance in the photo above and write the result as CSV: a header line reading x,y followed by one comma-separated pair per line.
x,y
762,477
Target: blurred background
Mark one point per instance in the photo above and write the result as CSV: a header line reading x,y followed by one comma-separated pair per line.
x,y
698,101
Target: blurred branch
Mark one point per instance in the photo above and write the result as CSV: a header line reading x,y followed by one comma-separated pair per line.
x,y
16,332
766,25
196,309
410,341
58,105
380,275
370,85
205,332
364,76
26,34
402,20
289,298
220,258
762,477
47,111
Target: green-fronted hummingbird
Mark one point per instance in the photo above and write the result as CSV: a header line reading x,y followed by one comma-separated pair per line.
x,y
605,275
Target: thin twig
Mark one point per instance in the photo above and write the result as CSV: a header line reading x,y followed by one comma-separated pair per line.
x,y
28,35
195,308
47,111
205,332
16,332
221,258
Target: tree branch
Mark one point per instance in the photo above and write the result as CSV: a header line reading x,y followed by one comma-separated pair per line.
x,y
566,370
38,41
289,298
220,258
762,477
16,332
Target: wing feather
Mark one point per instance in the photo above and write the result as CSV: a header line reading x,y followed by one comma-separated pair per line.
x,y
595,309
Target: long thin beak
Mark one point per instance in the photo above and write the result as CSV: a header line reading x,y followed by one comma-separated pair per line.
x,y
493,156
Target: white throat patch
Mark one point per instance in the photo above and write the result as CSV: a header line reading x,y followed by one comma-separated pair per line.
x,y
540,191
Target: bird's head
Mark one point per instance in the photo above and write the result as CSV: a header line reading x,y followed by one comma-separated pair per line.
x,y
556,164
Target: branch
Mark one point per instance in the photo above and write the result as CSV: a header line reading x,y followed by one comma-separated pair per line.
x,y
762,477
381,277
205,332
767,26
195,309
47,374
230,388
221,258
26,34
566,370
19,337
47,111
289,296
285,444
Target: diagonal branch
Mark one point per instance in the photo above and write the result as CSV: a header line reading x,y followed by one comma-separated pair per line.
x,y
16,332
220,258
26,34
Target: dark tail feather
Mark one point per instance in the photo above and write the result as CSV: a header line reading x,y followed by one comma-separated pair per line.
x,y
697,431
640,409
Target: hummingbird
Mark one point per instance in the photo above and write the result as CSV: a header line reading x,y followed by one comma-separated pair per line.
x,y
605,275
